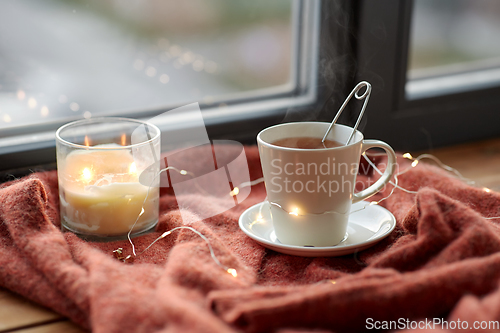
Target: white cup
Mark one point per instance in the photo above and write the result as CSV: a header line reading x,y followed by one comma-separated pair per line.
x,y
310,191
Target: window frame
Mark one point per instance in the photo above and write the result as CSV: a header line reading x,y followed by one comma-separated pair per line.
x,y
383,31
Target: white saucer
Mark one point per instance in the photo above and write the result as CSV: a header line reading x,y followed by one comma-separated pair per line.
x,y
366,227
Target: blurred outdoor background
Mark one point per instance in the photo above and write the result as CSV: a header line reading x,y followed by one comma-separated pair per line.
x,y
84,58
453,35
67,59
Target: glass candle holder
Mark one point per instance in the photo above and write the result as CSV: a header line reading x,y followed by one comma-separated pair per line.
x,y
107,172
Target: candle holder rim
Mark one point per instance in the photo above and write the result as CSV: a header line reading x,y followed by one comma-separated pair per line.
x,y
97,119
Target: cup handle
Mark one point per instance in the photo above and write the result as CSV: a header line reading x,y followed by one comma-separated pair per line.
x,y
385,178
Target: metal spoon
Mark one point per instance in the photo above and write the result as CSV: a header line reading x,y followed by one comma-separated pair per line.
x,y
355,91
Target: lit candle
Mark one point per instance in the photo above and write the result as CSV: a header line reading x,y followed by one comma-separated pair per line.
x,y
101,193
106,171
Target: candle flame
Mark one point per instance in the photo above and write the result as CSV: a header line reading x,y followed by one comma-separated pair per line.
x,y
132,168
123,140
86,174
87,141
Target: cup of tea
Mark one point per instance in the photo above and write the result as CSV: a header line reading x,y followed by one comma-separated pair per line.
x,y
310,184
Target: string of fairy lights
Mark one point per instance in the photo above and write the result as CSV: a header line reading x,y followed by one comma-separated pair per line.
x,y
130,258
258,219
415,161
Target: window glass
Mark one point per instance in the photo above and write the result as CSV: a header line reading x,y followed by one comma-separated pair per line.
x,y
455,43
66,59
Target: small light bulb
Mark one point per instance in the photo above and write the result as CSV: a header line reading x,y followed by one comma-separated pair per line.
x,y
295,212
414,163
142,211
183,172
259,219
487,190
373,203
165,234
408,156
234,192
232,271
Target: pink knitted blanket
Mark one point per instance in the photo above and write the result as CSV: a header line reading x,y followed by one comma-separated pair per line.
x,y
441,261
